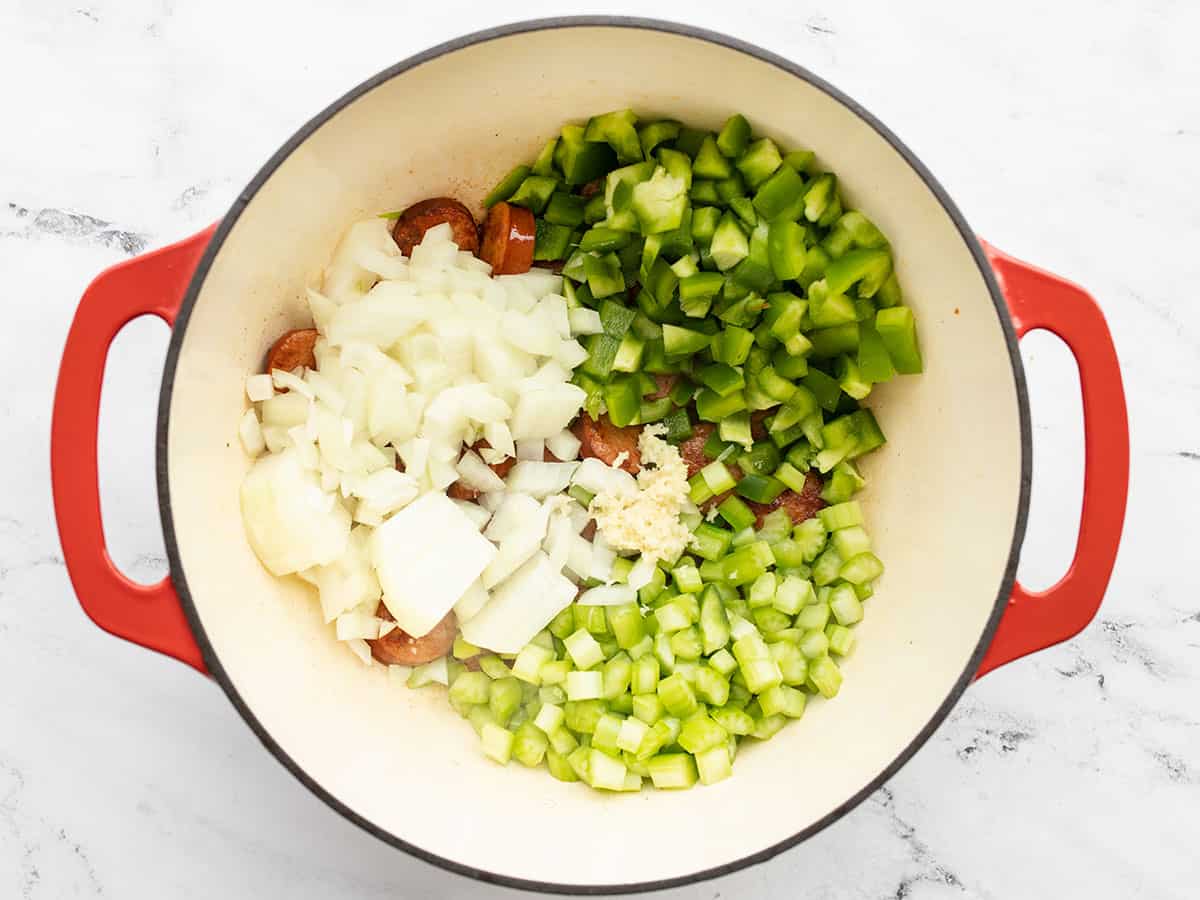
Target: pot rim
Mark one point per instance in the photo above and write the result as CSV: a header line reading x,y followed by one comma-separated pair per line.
x,y
243,199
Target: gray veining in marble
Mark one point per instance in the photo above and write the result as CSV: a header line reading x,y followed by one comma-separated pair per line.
x,y
1069,133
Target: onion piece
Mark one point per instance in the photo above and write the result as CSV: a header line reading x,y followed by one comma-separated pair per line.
x,y
474,512
540,479
475,473
508,516
286,381
544,411
520,607
607,595
250,433
596,477
362,650
259,387
642,572
471,602
564,445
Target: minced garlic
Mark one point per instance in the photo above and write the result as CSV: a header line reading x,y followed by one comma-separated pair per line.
x,y
647,520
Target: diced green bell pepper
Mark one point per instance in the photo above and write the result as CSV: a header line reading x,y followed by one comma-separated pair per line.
x,y
759,162
732,345
659,202
734,136
678,165
704,192
826,389
534,192
565,209
829,342
544,164
603,273
679,341
550,241
873,360
779,193
654,133
618,129
818,197
867,268
624,401
709,162
786,250
507,186
898,329
729,243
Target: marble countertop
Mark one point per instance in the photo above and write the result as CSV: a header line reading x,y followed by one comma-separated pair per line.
x,y
1068,133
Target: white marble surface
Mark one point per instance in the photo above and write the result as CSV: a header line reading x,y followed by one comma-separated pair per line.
x,y
1068,133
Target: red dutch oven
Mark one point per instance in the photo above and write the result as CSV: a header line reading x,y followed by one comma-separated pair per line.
x,y
946,502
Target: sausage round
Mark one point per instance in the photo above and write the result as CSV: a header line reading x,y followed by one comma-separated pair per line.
x,y
508,237
294,348
399,648
601,439
692,449
799,506
420,217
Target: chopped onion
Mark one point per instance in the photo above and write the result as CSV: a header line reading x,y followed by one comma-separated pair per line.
x,y
570,354
579,557
564,445
362,650
520,607
286,381
607,595
471,602
475,473
357,624
508,516
544,411
259,387
474,512
499,438
642,572
533,450
596,477
540,479
603,558
286,410
250,432
290,523
426,556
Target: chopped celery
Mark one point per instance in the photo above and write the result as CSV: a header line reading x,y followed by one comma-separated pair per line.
x,y
841,639
849,542
700,733
861,569
844,605
825,676
672,770
528,664
814,644
497,742
677,696
585,685
813,616
549,718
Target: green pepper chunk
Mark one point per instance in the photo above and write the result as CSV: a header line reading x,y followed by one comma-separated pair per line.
x,y
759,162
802,161
722,378
732,345
624,401
678,164
603,273
550,241
734,136
678,426
819,195
654,133
898,329
760,488
873,360
779,193
704,192
827,308
696,292
690,139
785,249
602,351
507,186
867,268
761,459
659,202
544,164
565,209
602,240
618,130
729,243
709,162
744,207
828,342
712,407
827,391
534,192
680,341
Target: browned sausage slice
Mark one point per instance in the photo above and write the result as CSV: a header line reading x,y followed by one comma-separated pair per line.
x,y
399,648
799,506
662,386
692,449
420,217
601,439
591,188
508,234
294,348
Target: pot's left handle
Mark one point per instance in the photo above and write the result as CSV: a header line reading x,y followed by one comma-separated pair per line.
x,y
153,284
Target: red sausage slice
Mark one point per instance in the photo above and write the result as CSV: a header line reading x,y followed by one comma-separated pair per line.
x,y
420,217
601,439
294,348
399,648
508,234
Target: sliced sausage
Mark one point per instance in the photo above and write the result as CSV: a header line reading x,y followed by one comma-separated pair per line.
x,y
663,386
601,439
591,188
399,648
294,348
420,217
799,506
508,236
692,449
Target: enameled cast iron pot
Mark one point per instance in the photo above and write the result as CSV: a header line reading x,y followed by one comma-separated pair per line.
x,y
947,496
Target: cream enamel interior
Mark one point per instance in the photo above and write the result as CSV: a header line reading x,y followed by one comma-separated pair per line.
x,y
942,501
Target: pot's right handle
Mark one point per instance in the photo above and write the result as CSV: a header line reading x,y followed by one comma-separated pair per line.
x,y
1035,620
152,284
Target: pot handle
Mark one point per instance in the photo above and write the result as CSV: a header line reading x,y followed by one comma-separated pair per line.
x,y
1036,620
153,284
